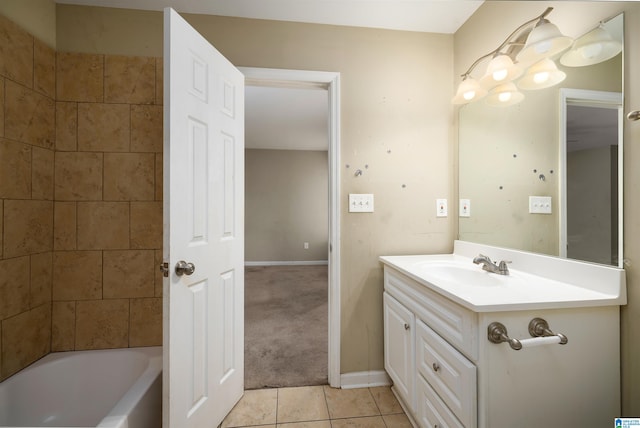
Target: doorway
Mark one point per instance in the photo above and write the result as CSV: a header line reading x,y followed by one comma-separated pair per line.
x,y
591,187
329,82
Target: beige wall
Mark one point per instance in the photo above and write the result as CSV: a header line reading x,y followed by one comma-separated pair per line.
x,y
286,204
483,32
396,118
38,17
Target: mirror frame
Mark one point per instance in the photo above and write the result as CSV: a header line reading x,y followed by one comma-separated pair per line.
x,y
600,99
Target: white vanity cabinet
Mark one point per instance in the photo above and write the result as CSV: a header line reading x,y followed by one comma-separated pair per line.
x,y
436,382
447,372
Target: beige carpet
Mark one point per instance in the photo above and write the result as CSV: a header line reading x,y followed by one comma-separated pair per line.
x,y
286,338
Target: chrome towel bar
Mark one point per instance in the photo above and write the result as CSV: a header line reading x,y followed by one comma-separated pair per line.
x,y
538,329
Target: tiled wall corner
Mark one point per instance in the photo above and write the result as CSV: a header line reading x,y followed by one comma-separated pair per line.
x,y
80,200
108,209
29,116
16,53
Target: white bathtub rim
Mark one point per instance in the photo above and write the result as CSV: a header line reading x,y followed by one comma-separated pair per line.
x,y
117,415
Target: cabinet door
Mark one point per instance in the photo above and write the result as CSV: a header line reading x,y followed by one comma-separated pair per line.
x,y
399,346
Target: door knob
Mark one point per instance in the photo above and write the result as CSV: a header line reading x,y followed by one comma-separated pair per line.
x,y
184,268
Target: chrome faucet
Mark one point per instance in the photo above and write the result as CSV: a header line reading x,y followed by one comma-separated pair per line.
x,y
489,266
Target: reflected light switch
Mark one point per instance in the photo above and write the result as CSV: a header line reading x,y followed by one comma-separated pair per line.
x,y
539,204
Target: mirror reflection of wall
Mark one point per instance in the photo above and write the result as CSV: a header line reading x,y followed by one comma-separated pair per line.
x,y
508,154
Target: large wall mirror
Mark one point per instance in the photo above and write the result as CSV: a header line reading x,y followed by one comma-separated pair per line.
x,y
563,143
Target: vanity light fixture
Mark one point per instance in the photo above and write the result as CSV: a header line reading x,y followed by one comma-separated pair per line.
x,y
501,69
594,47
469,90
504,95
542,74
543,39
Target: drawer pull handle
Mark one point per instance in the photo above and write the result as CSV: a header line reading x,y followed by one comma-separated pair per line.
x,y
435,366
406,326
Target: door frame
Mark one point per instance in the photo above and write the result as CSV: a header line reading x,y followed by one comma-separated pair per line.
x,y
590,98
330,81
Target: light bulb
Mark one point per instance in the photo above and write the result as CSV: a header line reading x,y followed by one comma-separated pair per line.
x,y
591,51
504,96
468,95
543,47
500,75
541,77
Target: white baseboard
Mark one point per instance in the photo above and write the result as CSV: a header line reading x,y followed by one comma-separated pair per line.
x,y
364,379
288,263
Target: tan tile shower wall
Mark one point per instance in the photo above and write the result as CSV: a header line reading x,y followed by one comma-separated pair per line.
x,y
27,139
80,200
106,287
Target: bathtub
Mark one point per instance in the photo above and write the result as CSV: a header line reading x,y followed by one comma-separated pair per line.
x,y
119,388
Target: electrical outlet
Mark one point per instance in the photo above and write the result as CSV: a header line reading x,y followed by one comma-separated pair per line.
x,y
465,208
305,245
441,207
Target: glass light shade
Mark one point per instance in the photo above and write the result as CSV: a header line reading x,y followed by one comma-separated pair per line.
x,y
469,90
500,69
544,41
504,95
542,74
592,48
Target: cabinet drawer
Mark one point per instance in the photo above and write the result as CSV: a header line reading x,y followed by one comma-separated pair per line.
x,y
431,411
451,375
458,325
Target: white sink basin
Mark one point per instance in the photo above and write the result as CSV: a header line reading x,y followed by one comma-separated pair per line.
x,y
469,275
564,283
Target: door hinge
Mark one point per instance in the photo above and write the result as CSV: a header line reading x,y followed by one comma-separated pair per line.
x,y
164,268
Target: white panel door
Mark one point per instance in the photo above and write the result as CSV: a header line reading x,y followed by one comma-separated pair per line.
x,y
204,228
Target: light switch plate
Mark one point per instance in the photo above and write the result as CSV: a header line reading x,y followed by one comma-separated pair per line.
x,y
441,207
465,207
539,204
360,202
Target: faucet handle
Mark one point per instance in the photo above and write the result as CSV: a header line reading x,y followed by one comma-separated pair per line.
x,y
502,267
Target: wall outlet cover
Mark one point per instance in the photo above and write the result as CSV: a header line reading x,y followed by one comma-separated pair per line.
x,y
441,207
465,207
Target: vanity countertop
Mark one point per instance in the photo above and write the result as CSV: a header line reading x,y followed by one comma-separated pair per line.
x,y
535,281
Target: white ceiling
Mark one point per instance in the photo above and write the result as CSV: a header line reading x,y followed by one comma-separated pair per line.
x,y
286,118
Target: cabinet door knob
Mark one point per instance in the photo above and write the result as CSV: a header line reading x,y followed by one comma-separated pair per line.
x,y
406,326
435,366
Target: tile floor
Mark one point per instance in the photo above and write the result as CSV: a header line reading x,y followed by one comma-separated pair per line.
x,y
318,407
